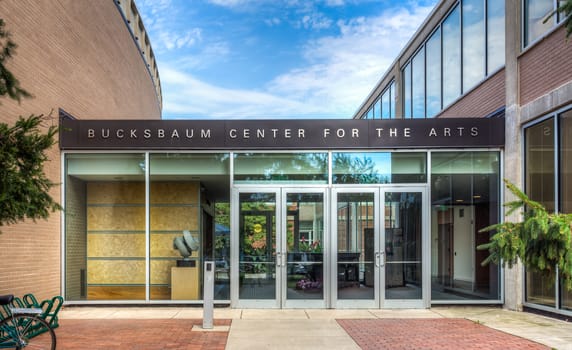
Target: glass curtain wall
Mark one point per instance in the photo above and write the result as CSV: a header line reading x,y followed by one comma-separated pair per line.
x,y
464,199
466,47
106,225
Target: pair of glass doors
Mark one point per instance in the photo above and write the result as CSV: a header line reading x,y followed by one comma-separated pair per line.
x,y
329,248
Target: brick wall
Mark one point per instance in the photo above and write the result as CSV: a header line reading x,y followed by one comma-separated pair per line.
x,y
545,66
486,98
79,56
76,242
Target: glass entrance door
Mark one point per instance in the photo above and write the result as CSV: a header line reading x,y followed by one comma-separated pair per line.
x,y
279,254
380,238
405,253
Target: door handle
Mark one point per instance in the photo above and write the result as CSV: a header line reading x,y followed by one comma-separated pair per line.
x,y
278,259
382,259
376,259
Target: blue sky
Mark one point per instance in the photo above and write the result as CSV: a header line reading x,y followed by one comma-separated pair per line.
x,y
260,59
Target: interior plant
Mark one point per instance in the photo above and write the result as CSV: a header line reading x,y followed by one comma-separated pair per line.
x,y
541,240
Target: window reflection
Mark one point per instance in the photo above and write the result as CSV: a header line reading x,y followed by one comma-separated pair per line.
x,y
566,162
539,181
433,48
281,168
495,35
537,20
473,43
451,57
407,91
464,199
364,168
418,84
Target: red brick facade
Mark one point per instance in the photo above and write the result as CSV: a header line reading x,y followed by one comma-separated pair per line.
x,y
81,57
545,66
486,98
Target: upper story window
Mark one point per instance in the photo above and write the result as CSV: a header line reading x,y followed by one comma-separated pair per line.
x,y
538,18
465,48
384,105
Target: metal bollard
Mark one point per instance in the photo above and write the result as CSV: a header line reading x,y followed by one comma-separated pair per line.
x,y
208,294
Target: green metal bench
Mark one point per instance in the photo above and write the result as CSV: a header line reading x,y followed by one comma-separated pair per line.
x,y
50,308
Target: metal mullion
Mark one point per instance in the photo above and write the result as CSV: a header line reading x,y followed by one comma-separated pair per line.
x,y
147,230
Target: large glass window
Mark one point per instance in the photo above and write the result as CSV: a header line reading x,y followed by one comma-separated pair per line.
x,y
418,87
566,184
452,57
548,163
540,167
495,35
464,199
105,227
392,100
433,52
370,168
407,112
537,19
386,109
183,190
281,168
473,42
539,182
378,109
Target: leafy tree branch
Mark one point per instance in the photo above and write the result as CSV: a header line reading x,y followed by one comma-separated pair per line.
x,y
9,85
542,240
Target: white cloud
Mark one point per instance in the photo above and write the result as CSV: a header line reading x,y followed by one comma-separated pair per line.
x,y
316,21
198,98
271,22
231,3
174,40
341,71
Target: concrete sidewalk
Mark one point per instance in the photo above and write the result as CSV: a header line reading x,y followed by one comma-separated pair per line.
x,y
318,329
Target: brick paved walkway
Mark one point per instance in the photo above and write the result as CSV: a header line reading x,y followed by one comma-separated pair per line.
x,y
138,334
431,334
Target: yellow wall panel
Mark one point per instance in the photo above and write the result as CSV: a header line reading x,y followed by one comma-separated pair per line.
x,y
174,218
116,245
116,218
116,193
116,271
174,192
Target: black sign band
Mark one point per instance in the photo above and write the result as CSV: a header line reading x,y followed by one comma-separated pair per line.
x,y
294,134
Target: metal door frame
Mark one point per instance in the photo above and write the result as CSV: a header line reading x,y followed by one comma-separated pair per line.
x,y
280,300
380,300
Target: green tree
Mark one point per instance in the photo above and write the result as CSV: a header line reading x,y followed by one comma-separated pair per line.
x,y
542,240
566,10
9,85
24,187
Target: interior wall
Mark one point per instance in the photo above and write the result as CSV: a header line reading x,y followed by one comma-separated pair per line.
x,y
463,244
